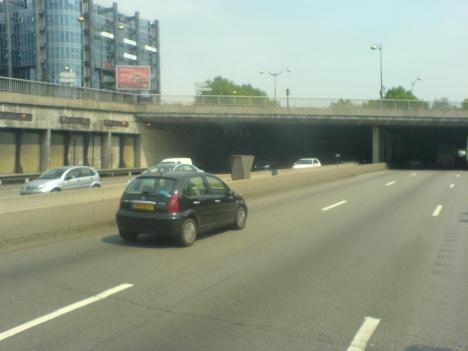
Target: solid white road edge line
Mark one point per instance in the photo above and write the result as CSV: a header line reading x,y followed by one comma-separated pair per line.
x,y
390,183
63,310
363,335
334,205
437,211
452,186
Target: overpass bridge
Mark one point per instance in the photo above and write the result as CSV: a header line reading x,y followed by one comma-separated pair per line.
x,y
44,125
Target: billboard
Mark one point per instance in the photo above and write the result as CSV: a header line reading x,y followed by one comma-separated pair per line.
x,y
133,77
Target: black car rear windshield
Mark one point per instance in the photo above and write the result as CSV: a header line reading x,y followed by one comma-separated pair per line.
x,y
154,186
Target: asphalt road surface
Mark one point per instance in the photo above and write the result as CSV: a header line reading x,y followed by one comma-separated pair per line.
x,y
304,274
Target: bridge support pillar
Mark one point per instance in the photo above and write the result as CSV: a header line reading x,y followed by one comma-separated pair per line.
x,y
106,157
137,151
377,145
388,147
46,138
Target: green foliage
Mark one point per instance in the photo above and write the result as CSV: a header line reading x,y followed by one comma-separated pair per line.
x,y
397,98
225,87
399,93
342,103
465,104
221,91
442,104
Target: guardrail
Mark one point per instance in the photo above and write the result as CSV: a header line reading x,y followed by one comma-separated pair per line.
x,y
26,177
64,91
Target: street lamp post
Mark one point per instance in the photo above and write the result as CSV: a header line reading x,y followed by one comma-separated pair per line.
x,y
379,47
414,82
275,75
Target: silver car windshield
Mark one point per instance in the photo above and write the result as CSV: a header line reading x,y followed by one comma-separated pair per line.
x,y
53,173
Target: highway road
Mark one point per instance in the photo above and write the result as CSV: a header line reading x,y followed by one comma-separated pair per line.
x,y
374,262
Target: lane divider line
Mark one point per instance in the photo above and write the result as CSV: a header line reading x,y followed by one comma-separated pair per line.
x,y
64,310
364,334
390,183
458,176
452,186
413,174
334,205
437,211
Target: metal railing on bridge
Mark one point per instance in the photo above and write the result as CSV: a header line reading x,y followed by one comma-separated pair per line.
x,y
71,92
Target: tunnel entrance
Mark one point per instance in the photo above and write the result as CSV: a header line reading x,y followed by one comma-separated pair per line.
x,y
210,145
426,148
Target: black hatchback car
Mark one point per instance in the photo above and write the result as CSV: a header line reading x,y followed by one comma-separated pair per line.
x,y
178,204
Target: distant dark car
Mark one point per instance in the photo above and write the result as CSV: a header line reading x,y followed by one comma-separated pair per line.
x,y
179,204
262,166
414,163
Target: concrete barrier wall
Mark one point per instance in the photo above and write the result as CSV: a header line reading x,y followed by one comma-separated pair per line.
x,y
299,178
26,219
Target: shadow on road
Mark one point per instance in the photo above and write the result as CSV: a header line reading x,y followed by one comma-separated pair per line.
x,y
155,241
464,216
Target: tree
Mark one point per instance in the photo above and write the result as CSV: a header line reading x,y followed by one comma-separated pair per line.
x,y
223,86
399,93
397,98
465,104
342,103
222,91
442,104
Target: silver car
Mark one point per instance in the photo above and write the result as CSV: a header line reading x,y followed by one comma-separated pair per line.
x,y
63,178
164,167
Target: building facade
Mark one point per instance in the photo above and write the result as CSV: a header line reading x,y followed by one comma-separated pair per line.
x,y
75,42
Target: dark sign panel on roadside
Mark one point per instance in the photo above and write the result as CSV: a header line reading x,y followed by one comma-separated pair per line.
x,y
133,77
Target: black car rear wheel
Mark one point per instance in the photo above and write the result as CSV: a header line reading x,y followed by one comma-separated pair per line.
x,y
241,218
188,232
128,236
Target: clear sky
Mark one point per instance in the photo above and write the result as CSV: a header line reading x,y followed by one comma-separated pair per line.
x,y
326,43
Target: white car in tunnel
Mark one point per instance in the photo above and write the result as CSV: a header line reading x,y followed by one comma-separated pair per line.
x,y
307,163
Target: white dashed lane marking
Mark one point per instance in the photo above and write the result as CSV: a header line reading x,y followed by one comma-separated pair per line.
x,y
334,205
64,310
437,211
390,183
364,334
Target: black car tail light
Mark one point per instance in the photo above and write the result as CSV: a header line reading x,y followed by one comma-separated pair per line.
x,y
174,203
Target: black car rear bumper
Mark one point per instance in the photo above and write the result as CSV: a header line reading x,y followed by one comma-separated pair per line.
x,y
151,223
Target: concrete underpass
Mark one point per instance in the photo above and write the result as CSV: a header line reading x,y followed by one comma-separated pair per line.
x,y
30,150
281,144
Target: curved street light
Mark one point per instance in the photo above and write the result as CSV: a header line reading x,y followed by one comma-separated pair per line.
x,y
275,75
379,47
418,79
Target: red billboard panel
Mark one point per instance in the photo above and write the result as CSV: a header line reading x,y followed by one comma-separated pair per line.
x,y
133,77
